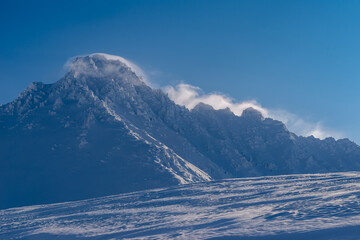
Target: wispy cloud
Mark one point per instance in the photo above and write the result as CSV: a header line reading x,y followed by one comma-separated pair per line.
x,y
302,127
189,96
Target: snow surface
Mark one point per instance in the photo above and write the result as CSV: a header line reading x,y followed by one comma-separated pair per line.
x,y
307,206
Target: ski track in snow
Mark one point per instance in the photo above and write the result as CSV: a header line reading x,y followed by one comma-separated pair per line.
x,y
306,206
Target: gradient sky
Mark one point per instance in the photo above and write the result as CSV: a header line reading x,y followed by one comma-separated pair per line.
x,y
299,56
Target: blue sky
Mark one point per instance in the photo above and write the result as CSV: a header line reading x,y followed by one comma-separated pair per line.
x,y
301,57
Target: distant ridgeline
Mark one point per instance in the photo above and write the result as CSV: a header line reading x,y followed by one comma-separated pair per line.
x,y
102,130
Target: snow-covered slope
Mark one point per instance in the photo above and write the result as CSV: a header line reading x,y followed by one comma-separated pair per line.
x,y
102,130
313,206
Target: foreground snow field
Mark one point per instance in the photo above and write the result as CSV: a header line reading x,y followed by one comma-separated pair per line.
x,y
308,206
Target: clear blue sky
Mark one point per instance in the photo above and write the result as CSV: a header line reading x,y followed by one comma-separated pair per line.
x,y
301,56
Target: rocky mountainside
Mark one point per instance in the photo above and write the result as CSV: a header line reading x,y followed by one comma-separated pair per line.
x,y
102,130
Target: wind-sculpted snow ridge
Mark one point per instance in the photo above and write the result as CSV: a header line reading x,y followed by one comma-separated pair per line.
x,y
309,206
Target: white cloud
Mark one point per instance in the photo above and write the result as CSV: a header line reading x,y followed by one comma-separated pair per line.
x,y
302,127
189,96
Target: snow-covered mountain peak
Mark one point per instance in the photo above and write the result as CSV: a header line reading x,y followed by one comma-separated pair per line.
x,y
105,66
252,113
203,106
136,69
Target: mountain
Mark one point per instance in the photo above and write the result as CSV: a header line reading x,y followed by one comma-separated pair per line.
x,y
101,130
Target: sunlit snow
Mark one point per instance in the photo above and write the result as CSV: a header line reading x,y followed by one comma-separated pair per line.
x,y
308,206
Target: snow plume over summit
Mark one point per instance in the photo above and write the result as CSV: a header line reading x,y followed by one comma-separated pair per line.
x,y
103,64
136,69
189,96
